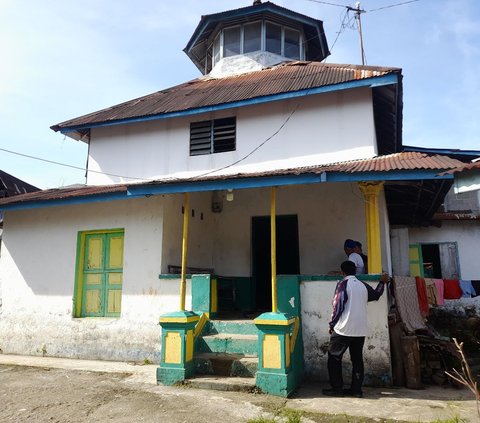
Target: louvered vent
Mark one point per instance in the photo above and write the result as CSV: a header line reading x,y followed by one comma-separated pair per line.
x,y
212,136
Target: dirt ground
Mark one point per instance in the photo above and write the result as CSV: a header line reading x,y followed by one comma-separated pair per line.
x,y
67,394
29,394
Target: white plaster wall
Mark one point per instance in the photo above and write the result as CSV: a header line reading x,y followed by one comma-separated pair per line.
x,y
37,276
465,233
316,298
323,129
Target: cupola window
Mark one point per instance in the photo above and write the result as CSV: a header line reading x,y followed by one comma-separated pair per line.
x,y
257,36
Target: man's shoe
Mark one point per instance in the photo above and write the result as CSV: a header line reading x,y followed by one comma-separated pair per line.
x,y
350,393
330,392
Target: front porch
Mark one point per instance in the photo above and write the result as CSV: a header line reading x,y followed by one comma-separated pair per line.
x,y
188,348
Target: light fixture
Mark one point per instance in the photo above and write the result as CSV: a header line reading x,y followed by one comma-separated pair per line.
x,y
229,195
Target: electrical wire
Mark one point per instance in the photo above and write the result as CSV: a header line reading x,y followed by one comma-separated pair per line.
x,y
393,5
150,179
327,3
68,165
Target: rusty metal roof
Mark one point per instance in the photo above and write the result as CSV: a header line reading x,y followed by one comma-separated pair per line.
x,y
407,161
68,192
10,185
207,91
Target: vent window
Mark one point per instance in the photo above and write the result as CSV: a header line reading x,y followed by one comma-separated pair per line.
x,y
213,136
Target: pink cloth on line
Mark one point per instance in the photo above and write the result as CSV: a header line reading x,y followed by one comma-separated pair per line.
x,y
439,286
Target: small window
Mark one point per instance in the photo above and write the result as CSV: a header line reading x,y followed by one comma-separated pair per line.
x,y
216,50
292,44
231,41
252,37
273,38
212,136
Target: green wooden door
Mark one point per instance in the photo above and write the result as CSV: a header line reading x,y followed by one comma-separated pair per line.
x,y
102,274
416,260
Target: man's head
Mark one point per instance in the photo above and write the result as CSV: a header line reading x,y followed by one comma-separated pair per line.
x,y
348,268
358,247
349,246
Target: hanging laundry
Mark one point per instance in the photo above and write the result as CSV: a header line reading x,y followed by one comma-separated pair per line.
x,y
452,289
407,302
431,291
422,296
467,289
440,291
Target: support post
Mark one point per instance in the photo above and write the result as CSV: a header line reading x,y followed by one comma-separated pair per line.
x,y
273,244
370,192
183,281
178,328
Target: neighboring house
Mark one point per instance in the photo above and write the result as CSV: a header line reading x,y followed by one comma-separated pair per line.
x,y
10,186
448,248
96,272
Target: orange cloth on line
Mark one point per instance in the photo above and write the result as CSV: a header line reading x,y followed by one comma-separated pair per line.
x,y
422,296
452,290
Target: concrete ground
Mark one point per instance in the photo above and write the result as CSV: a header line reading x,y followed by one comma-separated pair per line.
x,y
66,390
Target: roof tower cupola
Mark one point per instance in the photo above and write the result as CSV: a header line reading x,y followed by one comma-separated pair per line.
x,y
254,37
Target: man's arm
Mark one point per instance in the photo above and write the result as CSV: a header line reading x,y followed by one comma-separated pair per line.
x,y
339,300
375,294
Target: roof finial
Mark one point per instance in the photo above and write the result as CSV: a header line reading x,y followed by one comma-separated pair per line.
x,y
257,2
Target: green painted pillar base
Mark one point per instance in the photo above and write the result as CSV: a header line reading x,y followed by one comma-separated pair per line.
x,y
176,362
276,340
281,385
170,375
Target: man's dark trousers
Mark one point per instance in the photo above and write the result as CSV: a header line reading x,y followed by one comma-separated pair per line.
x,y
338,345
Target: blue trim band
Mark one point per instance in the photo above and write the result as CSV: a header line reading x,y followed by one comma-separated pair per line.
x,y
369,82
240,183
393,175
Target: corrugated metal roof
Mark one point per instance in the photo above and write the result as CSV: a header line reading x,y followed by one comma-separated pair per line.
x,y
207,91
72,191
409,161
10,185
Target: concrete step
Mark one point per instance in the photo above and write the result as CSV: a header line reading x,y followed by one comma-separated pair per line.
x,y
241,327
221,364
228,343
238,384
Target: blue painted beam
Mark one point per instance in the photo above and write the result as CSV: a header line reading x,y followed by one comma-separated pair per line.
x,y
393,175
370,82
240,183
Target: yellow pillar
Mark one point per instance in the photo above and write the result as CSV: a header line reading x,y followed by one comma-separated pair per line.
x,y
370,192
183,281
273,241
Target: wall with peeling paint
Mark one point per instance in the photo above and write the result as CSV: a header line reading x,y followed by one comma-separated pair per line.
x,y
464,232
37,272
325,128
316,297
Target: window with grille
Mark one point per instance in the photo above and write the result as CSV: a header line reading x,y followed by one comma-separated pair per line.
x,y
212,136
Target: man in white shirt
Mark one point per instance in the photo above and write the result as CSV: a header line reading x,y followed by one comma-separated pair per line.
x,y
349,248
348,327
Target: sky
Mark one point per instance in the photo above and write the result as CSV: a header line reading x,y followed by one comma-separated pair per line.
x,y
61,59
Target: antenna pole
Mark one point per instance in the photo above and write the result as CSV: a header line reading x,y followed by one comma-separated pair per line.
x,y
358,12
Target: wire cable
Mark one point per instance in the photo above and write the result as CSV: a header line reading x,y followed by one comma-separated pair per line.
x,y
68,165
393,5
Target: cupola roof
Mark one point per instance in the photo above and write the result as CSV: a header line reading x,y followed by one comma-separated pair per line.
x,y
314,42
